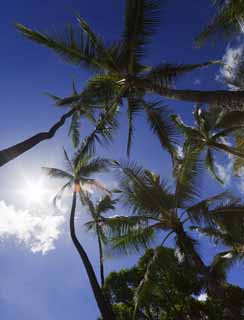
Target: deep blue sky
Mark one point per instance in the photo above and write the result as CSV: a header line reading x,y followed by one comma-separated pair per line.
x,y
54,286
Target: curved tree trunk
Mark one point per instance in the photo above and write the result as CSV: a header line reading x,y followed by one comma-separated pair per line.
x,y
100,257
210,97
104,307
15,151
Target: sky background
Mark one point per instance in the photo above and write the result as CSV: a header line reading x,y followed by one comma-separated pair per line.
x,y
41,274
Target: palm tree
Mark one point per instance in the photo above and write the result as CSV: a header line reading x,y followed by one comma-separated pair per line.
x,y
78,179
121,72
228,19
209,134
122,60
156,209
97,212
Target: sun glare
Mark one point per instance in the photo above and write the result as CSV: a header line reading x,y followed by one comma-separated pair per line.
x,y
33,191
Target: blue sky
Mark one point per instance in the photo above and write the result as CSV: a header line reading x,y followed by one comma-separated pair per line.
x,y
54,285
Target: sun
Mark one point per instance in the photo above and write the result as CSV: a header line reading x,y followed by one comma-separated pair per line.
x,y
33,191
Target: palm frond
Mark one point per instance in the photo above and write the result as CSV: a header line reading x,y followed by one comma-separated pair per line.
x,y
210,163
60,193
143,192
105,204
134,241
102,52
162,126
74,130
95,165
69,46
57,173
201,212
95,184
165,74
102,133
189,171
141,22
229,19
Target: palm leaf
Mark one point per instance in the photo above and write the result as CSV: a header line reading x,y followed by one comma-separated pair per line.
x,y
165,74
229,18
71,48
93,166
141,22
187,177
161,125
210,163
57,173
102,52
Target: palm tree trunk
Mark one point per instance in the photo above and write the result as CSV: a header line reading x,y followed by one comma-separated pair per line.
x,y
228,149
100,257
221,97
15,151
104,307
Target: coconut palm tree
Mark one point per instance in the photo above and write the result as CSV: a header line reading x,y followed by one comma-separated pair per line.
x,y
228,19
123,59
96,225
78,179
156,209
120,68
210,133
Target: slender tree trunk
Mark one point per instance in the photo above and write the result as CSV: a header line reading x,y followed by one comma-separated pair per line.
x,y
100,257
228,149
221,97
15,151
104,307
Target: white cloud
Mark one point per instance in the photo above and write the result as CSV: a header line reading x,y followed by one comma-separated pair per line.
x,y
232,71
225,172
202,297
37,229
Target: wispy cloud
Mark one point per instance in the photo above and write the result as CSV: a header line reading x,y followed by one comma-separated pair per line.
x,y
225,172
37,229
231,72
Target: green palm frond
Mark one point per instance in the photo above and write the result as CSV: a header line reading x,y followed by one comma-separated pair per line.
x,y
210,163
134,241
60,193
95,184
74,130
231,119
202,211
117,226
105,204
102,52
68,161
143,192
102,133
57,173
159,119
187,177
165,74
229,19
72,48
141,22
93,166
